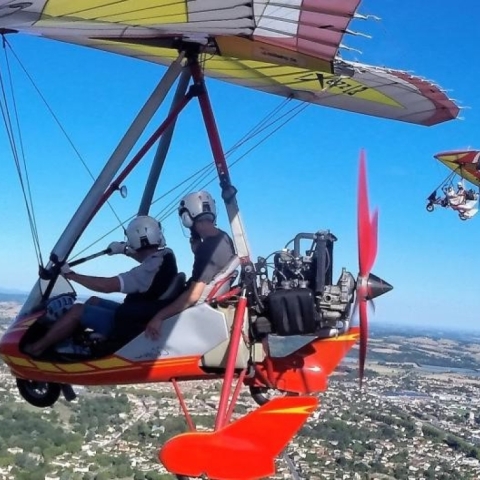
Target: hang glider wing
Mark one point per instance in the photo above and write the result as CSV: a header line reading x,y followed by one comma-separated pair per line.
x,y
285,47
463,162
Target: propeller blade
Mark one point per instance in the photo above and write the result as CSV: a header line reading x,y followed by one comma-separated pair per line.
x,y
368,289
363,217
373,240
363,313
367,227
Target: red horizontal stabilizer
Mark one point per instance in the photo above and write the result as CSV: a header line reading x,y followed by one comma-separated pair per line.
x,y
243,450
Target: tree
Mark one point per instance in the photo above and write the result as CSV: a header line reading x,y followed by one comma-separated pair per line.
x,y
21,460
66,475
102,476
37,474
152,476
401,471
123,470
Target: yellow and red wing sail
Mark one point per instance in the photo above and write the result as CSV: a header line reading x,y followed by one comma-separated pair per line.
x,y
284,47
463,162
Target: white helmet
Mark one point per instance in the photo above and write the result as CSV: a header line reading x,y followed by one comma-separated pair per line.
x,y
196,205
144,232
460,185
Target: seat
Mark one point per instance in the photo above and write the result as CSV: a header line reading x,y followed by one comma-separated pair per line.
x,y
222,282
175,288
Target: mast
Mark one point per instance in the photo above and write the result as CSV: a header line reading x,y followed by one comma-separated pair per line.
x,y
163,147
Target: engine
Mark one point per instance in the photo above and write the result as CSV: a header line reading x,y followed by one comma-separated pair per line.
x,y
295,294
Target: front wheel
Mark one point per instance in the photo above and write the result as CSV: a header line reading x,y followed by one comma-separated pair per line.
x,y
430,207
39,394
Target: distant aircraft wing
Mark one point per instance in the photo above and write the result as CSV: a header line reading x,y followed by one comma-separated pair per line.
x,y
462,162
285,47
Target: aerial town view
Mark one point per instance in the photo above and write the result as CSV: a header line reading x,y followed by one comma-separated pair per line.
x,y
416,417
239,240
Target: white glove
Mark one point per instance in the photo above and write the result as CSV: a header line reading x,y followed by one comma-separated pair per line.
x,y
65,270
117,247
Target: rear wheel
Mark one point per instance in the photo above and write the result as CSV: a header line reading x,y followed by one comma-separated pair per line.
x,y
430,207
39,394
262,395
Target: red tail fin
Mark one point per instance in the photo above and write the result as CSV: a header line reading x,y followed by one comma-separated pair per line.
x,y
244,450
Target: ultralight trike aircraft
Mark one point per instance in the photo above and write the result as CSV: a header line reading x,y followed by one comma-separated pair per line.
x,y
465,202
289,48
464,164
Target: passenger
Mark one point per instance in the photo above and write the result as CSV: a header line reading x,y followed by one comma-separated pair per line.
x,y
471,194
461,194
454,199
212,248
142,284
195,241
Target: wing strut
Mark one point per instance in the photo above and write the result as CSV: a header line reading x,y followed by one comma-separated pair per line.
x,y
229,192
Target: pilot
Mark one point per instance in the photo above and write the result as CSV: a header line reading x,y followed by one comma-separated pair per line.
x,y
143,284
461,191
212,248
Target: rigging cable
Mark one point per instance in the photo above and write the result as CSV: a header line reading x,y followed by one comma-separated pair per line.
x,y
448,180
22,174
135,214
59,124
300,108
199,177
256,130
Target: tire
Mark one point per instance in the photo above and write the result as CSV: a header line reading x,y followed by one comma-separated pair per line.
x,y
261,395
39,394
430,207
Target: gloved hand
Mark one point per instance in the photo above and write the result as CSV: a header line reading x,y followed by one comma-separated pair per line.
x,y
117,247
65,270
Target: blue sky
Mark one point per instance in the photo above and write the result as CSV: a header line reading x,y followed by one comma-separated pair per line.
x,y
302,179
